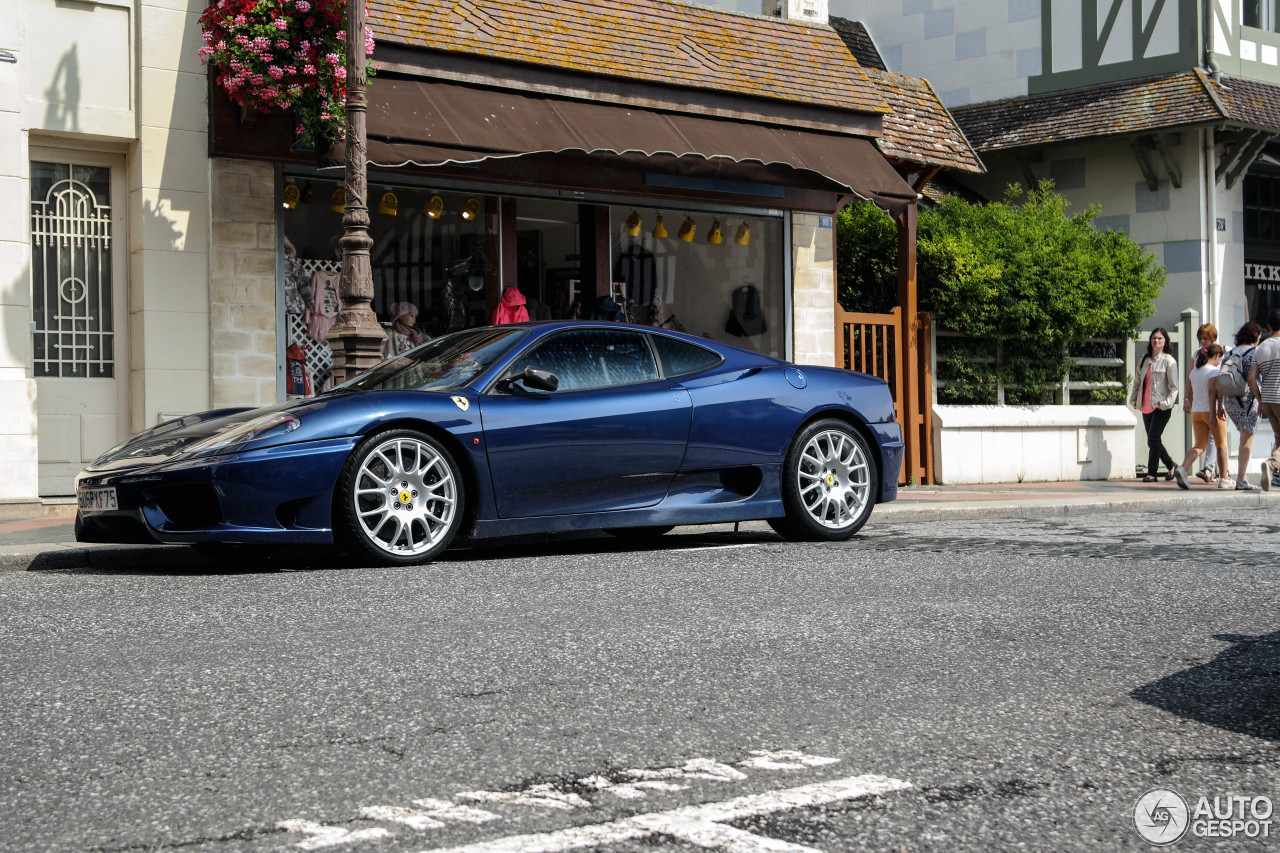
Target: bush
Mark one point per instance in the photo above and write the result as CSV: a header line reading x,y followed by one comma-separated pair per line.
x,y
1020,272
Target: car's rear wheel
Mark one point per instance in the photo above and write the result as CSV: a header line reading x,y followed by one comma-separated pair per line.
x,y
829,483
639,534
400,498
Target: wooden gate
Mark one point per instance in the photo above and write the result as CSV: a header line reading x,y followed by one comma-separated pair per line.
x,y
873,343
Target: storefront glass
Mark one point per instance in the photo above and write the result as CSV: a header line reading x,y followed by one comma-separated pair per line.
x,y
713,275
438,260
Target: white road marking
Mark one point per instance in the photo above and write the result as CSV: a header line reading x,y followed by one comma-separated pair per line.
x,y
445,810
412,818
330,836
700,825
718,547
697,768
628,790
538,795
785,759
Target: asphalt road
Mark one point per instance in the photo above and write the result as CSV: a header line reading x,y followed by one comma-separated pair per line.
x,y
950,686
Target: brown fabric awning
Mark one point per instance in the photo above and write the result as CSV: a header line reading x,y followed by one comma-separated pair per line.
x,y
429,123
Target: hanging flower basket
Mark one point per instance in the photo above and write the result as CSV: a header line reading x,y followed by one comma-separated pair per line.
x,y
284,55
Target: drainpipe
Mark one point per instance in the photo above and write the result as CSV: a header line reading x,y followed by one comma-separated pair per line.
x,y
1211,241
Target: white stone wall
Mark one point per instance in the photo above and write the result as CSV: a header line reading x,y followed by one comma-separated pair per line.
x,y
971,50
813,292
122,79
1028,444
243,284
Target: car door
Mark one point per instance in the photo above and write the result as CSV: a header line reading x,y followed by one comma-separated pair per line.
x,y
610,437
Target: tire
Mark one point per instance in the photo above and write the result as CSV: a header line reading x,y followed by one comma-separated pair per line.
x,y
829,483
372,517
639,534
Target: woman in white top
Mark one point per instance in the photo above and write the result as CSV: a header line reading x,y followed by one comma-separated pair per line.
x,y
1206,420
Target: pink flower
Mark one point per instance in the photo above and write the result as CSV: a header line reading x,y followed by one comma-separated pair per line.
x,y
241,20
276,72
282,44
207,36
340,72
342,35
309,70
332,58
221,45
303,6
282,24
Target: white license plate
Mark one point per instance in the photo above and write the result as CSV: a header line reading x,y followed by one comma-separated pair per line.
x,y
98,500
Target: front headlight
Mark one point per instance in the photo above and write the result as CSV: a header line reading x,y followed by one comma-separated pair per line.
x,y
277,423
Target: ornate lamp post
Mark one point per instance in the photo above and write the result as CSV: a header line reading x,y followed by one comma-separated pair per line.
x,y
356,336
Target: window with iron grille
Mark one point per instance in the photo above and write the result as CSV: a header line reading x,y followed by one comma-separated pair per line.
x,y
71,271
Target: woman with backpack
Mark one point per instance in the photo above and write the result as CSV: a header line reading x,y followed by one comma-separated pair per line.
x,y
1241,408
1155,389
1206,417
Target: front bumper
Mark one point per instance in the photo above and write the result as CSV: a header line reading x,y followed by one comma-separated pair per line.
x,y
274,495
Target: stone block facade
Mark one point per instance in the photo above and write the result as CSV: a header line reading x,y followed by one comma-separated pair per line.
x,y
813,293
242,284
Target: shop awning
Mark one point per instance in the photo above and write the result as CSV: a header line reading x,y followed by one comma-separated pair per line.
x,y
429,123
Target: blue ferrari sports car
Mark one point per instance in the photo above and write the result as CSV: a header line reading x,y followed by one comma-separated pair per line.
x,y
515,429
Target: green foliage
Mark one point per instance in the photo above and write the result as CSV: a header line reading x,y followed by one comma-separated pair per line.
x,y
1020,272
867,248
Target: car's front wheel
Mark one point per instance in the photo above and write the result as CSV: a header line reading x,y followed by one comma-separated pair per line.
x,y
400,498
829,483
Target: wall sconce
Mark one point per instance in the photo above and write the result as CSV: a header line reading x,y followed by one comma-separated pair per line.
x,y
291,196
659,230
338,200
308,194
687,229
388,204
743,237
633,224
435,207
471,209
716,237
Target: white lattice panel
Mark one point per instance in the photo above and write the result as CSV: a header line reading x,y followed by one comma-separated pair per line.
x,y
319,355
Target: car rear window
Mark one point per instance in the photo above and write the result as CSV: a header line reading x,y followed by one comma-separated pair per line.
x,y
679,357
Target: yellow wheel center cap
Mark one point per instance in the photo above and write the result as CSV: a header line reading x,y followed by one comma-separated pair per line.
x,y
831,479
405,497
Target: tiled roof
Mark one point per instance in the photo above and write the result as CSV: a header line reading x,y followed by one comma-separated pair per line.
x,y
1125,107
657,41
919,129
859,42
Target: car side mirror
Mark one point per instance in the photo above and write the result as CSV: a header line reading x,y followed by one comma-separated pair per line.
x,y
533,377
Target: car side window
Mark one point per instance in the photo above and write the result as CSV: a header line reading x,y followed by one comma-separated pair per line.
x,y
591,358
680,358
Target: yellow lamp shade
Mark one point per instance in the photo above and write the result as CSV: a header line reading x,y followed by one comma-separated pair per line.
x,y
687,229
291,196
633,224
435,207
743,237
716,237
338,200
471,209
659,230
388,204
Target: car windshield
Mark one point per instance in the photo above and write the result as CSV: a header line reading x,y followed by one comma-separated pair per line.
x,y
443,364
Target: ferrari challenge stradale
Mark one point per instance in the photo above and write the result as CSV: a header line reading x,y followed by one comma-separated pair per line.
x,y
515,429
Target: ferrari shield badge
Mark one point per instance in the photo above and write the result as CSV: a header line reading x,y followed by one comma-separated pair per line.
x,y
463,403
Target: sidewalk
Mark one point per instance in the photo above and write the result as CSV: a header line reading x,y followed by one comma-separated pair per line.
x,y
45,538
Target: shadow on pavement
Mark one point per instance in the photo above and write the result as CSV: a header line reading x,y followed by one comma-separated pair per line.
x,y
1239,690
247,559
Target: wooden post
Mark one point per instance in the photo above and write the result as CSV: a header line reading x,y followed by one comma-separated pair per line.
x,y
356,337
912,463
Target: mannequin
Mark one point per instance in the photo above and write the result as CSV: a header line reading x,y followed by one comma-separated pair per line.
x,y
404,335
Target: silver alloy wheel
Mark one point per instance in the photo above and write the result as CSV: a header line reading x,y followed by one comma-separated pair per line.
x,y
834,479
406,496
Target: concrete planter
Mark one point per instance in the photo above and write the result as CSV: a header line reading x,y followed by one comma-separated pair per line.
x,y
1007,444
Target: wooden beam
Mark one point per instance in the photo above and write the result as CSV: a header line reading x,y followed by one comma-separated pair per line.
x,y
1139,145
1250,152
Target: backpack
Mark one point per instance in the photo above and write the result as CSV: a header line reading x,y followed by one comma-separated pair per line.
x,y
1233,377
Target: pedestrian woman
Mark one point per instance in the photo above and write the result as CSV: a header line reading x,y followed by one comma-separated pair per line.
x,y
1155,390
1243,410
1205,335
1205,419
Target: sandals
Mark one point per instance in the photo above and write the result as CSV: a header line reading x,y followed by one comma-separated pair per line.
x,y
1150,479
1207,475
1168,475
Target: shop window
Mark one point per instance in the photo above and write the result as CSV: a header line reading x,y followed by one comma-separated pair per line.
x,y
719,276
433,263
1261,14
